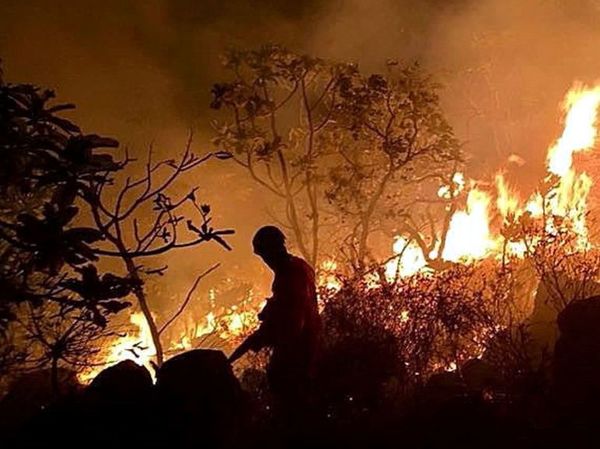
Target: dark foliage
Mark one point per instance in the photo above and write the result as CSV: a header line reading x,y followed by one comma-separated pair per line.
x,y
47,160
55,178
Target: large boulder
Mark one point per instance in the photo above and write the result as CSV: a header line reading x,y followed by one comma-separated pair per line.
x,y
116,408
200,400
580,318
124,382
576,362
543,324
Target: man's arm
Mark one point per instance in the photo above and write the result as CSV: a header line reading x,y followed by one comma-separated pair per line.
x,y
260,337
253,342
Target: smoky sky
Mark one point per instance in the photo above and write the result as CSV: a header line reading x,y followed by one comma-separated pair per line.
x,y
141,68
141,71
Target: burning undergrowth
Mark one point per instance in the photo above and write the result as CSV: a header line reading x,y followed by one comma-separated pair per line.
x,y
478,302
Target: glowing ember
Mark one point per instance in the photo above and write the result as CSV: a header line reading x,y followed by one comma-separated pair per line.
x,y
404,316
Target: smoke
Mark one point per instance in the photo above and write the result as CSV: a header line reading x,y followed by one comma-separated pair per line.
x,y
505,64
142,72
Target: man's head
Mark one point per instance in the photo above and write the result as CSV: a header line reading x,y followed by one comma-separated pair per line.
x,y
269,244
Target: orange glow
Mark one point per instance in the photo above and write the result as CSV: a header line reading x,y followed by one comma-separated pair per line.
x,y
470,236
579,134
135,345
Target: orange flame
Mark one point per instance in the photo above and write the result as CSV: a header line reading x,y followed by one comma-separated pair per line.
x,y
135,345
579,134
410,259
327,276
469,236
507,200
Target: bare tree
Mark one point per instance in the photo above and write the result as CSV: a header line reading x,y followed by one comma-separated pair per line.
x,y
139,220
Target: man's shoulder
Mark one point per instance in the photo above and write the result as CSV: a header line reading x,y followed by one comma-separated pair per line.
x,y
298,263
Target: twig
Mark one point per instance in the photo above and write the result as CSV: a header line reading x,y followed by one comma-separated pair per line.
x,y
187,298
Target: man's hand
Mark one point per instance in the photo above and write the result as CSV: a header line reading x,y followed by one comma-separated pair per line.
x,y
250,343
265,310
238,353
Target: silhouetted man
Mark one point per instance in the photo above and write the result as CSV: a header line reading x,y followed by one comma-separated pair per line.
x,y
290,322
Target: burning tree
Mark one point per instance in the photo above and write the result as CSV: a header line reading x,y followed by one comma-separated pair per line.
x,y
396,142
482,303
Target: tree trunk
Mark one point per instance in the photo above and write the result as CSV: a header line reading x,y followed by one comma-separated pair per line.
x,y
363,243
367,215
54,378
143,302
312,194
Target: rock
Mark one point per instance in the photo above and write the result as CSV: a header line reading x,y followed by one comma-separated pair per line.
x,y
543,321
200,399
479,375
124,382
580,318
576,362
116,408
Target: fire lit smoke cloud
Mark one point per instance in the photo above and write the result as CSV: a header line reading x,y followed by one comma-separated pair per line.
x,y
503,62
